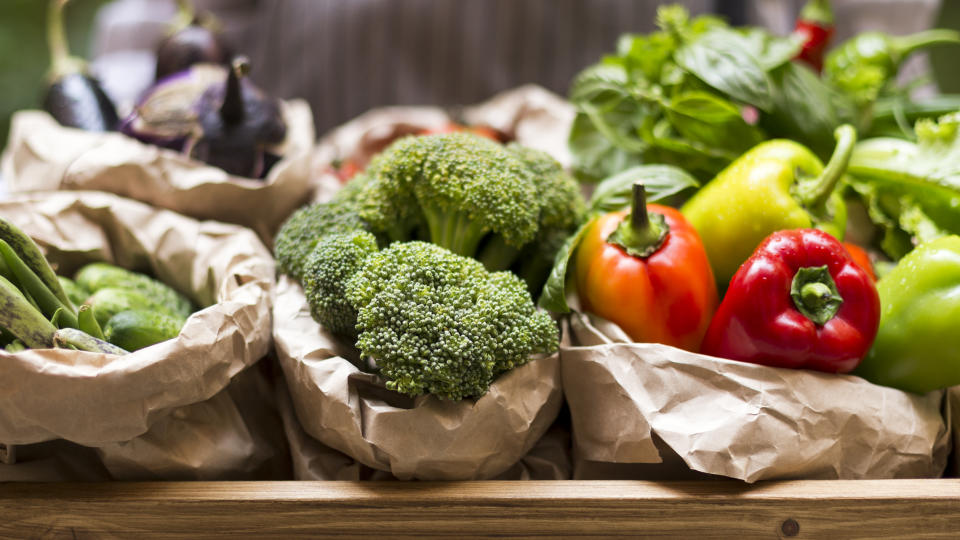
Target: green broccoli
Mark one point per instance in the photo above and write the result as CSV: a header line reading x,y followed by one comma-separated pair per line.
x,y
436,322
299,234
453,190
335,259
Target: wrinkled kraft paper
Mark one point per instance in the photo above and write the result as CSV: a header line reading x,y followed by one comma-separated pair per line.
x,y
235,435
953,417
412,438
43,156
530,115
737,419
549,459
97,399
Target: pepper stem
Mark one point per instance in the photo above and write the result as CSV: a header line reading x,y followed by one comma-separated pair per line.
x,y
903,46
817,11
232,109
641,233
61,63
815,294
817,196
186,15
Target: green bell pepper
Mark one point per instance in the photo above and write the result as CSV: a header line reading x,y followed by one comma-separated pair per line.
x,y
776,185
918,346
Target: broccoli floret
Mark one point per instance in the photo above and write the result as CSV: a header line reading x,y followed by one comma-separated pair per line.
x,y
458,186
563,209
334,260
299,234
436,322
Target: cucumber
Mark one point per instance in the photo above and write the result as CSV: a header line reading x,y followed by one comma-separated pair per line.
x,y
109,301
96,276
75,293
136,329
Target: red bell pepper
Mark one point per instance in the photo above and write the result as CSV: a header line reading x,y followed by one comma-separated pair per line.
x,y
861,257
815,27
800,301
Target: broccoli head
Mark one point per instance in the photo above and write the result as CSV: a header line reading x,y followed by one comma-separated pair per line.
x,y
299,234
335,259
458,186
436,322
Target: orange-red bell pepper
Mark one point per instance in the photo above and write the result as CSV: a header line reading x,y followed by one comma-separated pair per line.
x,y
647,271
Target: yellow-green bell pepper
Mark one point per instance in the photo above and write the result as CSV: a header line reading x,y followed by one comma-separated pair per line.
x,y
776,185
918,346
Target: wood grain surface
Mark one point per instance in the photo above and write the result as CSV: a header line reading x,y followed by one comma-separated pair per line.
x,y
797,509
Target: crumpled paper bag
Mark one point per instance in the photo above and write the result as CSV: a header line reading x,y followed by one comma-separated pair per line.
x,y
549,459
952,416
97,399
42,155
411,438
529,115
737,419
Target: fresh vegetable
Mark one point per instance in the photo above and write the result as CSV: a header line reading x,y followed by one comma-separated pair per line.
x,y
298,236
426,318
481,131
647,271
911,190
75,293
137,328
71,338
334,260
508,207
74,98
22,319
96,276
662,183
917,343
194,38
214,114
865,65
776,185
815,29
436,322
800,301
108,301
860,256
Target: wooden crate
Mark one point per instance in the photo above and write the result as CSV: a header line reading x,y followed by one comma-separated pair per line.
x,y
720,509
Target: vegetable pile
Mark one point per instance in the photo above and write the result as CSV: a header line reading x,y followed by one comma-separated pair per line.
x,y
698,93
119,311
427,259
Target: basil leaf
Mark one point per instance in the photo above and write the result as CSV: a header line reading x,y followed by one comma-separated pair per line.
x,y
554,295
661,182
770,50
722,59
713,121
806,108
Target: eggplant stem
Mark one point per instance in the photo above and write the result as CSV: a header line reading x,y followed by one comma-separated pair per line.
x,y
61,63
232,109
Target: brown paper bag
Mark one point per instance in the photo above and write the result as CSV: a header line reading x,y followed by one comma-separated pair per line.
x,y
424,438
42,156
952,415
737,419
312,460
98,399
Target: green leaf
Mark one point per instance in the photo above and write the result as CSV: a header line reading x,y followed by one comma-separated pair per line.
x,y
722,58
554,295
662,182
713,121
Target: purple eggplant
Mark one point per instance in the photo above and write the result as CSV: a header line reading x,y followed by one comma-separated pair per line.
x,y
213,114
194,39
74,98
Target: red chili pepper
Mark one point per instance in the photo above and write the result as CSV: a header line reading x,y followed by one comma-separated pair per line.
x,y
800,301
861,257
815,28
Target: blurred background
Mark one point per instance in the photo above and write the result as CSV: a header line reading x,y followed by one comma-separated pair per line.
x,y
347,56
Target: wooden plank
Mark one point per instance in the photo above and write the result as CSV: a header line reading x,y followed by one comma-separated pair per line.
x,y
722,509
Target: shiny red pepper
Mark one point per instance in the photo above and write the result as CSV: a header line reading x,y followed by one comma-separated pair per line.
x,y
800,301
815,28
